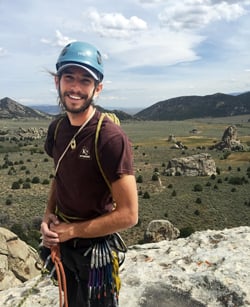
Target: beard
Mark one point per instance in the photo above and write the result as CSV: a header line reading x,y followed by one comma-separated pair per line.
x,y
87,101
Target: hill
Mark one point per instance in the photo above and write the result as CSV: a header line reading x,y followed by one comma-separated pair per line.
x,y
186,107
12,109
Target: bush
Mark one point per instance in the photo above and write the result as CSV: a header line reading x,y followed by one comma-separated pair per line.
x,y
236,180
15,185
45,181
174,193
155,177
8,201
35,180
139,179
197,212
198,188
198,200
186,231
26,185
146,195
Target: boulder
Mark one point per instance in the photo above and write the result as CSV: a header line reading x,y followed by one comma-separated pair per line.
x,y
159,230
196,165
229,140
18,261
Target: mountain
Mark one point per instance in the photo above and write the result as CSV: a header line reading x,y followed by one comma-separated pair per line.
x,y
12,109
185,107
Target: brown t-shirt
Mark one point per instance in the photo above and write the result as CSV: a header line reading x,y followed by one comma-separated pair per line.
x,y
80,188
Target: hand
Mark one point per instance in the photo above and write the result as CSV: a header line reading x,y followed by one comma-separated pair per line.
x,y
63,230
49,237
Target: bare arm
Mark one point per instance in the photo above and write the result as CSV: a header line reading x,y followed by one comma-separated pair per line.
x,y
49,237
124,216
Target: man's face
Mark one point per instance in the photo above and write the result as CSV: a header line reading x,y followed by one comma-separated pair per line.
x,y
76,89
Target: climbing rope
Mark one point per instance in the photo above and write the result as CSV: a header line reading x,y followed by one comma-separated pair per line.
x,y
61,278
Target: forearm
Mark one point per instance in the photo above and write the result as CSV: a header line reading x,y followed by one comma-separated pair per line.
x,y
51,203
104,225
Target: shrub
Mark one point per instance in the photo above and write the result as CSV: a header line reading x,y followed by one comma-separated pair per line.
x,y
174,193
45,181
146,195
139,179
186,231
35,180
235,180
15,185
155,177
198,200
197,212
26,185
8,201
198,188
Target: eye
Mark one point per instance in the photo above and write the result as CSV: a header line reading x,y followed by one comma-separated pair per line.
x,y
68,77
86,81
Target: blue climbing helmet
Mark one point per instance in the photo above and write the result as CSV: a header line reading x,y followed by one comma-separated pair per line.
x,y
83,55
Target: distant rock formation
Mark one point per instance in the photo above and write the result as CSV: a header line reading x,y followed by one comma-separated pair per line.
x,y
229,140
208,269
17,260
196,165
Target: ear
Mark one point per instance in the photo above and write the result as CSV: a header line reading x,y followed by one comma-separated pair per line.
x,y
98,89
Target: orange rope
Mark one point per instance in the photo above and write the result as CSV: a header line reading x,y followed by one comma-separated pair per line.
x,y
56,258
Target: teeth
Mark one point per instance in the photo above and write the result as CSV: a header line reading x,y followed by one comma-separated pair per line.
x,y
75,97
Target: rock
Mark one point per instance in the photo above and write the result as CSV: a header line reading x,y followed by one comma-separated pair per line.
x,y
208,269
17,260
229,140
195,165
159,230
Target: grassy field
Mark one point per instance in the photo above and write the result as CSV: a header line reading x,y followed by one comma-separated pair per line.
x,y
220,204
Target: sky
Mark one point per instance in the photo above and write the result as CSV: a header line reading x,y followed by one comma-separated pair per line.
x,y
152,49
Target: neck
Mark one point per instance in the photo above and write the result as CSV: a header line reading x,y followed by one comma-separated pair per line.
x,y
80,118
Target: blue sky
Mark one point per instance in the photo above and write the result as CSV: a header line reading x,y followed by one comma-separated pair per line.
x,y
152,49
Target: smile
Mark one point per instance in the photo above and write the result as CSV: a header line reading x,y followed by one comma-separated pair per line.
x,y
75,97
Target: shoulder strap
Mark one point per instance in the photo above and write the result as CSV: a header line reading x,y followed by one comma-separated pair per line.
x,y
97,133
57,126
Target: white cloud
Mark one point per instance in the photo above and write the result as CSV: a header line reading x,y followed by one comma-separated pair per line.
x,y
196,14
59,40
114,24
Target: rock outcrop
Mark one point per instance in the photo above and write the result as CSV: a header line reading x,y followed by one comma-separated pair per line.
x,y
195,165
18,261
159,230
207,269
229,140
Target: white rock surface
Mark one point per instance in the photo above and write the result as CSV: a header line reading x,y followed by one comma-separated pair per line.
x,y
210,268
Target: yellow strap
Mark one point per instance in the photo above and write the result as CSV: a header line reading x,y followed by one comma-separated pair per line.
x,y
98,128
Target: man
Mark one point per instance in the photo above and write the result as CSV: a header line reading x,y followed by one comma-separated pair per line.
x,y
82,212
